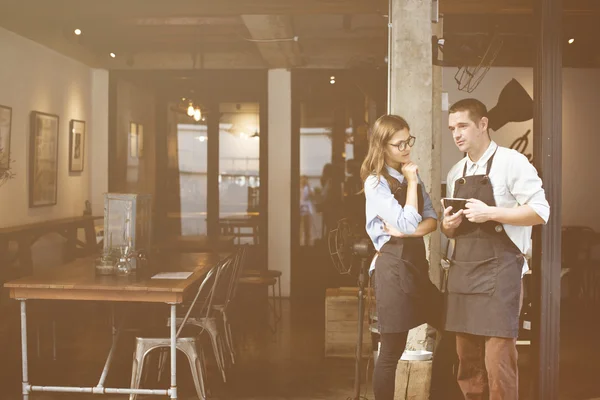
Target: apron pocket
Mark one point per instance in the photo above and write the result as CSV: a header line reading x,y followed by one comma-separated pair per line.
x,y
473,277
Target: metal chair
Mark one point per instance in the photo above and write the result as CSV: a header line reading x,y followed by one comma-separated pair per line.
x,y
208,322
186,340
222,308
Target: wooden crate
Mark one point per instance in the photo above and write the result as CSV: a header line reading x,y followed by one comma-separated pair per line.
x,y
341,323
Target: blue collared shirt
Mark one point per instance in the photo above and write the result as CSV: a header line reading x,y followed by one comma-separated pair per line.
x,y
382,206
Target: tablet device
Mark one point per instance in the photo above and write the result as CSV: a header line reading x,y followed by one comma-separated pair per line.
x,y
455,203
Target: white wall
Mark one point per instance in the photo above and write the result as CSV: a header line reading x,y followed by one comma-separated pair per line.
x,y
35,78
280,148
98,140
580,139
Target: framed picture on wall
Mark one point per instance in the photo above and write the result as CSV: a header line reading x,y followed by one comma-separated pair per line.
x,y
5,125
76,145
140,140
43,159
133,140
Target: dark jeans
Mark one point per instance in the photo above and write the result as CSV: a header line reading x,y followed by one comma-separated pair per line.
x,y
384,374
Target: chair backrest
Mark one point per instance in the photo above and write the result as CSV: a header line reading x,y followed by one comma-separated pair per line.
x,y
206,292
577,243
223,289
243,253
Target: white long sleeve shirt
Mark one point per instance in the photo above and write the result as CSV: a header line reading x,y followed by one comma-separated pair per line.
x,y
515,183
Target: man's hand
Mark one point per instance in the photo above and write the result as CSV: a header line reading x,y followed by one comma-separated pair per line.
x,y
451,221
478,212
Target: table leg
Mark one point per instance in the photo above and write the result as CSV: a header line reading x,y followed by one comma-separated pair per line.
x,y
24,350
173,351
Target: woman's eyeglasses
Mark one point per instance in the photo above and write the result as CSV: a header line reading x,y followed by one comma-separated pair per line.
x,y
401,145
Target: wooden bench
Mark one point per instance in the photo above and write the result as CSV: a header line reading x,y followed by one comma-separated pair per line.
x,y
26,235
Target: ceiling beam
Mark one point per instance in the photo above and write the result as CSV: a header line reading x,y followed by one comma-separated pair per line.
x,y
92,9
275,39
570,7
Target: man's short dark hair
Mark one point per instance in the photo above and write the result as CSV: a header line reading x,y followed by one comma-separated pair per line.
x,y
476,108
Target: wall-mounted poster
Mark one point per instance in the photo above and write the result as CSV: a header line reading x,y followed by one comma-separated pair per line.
x,y
5,124
133,140
43,159
76,145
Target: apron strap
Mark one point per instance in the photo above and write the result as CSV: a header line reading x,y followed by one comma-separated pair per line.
x,y
489,165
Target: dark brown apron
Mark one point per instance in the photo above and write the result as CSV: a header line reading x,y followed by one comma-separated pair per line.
x,y
484,280
405,296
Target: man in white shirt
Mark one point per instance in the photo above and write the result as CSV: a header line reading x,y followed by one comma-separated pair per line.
x,y
505,199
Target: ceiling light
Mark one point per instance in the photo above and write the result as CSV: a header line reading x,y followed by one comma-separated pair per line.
x,y
571,40
197,115
332,81
190,110
332,77
77,31
113,55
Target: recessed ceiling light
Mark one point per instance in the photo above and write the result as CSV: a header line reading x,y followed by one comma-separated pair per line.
x,y
113,55
77,31
571,40
332,81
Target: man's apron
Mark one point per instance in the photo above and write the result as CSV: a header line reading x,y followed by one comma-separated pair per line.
x,y
484,280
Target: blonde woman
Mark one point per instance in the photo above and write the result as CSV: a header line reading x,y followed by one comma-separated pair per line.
x,y
398,214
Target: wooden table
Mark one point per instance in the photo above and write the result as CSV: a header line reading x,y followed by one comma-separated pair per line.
x,y
233,224
77,281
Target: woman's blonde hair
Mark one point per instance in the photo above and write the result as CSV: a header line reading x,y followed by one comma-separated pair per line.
x,y
384,128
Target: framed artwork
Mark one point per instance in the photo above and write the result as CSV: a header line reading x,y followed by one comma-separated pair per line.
x,y
133,140
43,159
5,125
140,140
76,145
136,140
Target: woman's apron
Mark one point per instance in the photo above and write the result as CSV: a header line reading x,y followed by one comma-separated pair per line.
x,y
405,296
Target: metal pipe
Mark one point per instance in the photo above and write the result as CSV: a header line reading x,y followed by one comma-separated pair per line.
x,y
389,59
26,388
173,389
95,390
54,340
116,333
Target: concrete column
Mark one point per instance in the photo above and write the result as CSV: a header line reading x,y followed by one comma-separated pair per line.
x,y
97,138
280,170
412,96
435,271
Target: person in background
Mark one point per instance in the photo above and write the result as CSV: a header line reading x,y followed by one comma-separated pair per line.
x,y
398,214
354,198
331,197
306,211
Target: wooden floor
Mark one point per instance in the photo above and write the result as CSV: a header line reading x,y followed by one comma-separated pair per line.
x,y
286,365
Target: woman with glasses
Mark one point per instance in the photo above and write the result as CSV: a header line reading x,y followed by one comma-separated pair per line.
x,y
399,213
